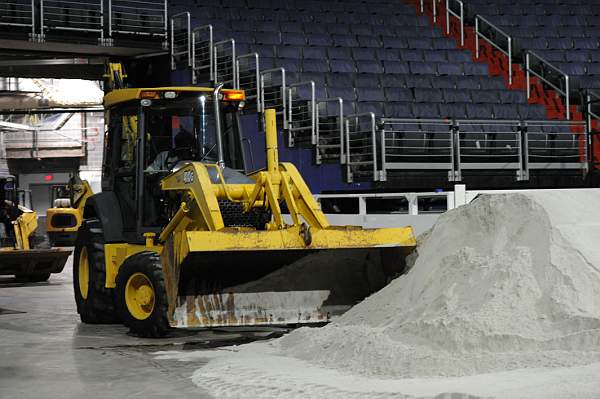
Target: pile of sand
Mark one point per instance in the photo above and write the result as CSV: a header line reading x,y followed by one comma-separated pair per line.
x,y
509,281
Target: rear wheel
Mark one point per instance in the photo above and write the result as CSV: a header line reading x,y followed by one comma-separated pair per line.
x,y
94,301
141,297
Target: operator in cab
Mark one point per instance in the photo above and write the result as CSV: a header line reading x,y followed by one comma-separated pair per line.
x,y
170,160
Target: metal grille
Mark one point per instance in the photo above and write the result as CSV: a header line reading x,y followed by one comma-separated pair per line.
x,y
330,130
138,17
490,145
225,68
555,145
549,75
455,146
418,144
202,58
272,93
302,114
248,78
181,43
19,13
361,150
72,15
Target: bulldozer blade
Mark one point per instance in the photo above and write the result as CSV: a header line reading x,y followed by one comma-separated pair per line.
x,y
279,287
33,261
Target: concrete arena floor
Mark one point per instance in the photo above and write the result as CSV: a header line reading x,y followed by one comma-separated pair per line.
x,y
46,352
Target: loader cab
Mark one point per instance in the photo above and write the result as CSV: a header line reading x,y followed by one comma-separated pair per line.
x,y
152,132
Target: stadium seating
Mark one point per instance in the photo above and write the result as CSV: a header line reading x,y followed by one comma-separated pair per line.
x,y
565,33
371,58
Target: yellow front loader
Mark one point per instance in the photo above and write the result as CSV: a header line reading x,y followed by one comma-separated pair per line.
x,y
182,237
64,217
18,256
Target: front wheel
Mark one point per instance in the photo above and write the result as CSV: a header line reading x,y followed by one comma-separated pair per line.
x,y
141,298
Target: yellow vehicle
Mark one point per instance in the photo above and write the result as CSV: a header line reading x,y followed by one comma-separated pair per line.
x,y
182,237
18,255
64,218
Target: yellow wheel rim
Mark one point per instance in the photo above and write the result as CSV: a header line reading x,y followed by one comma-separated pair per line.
x,y
139,296
84,273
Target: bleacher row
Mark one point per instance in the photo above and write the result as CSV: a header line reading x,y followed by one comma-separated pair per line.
x,y
565,33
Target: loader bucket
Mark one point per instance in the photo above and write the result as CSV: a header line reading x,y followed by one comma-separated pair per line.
x,y
33,261
273,278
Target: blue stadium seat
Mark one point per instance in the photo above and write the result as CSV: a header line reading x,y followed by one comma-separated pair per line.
x,y
479,111
318,78
534,112
289,52
344,41
367,80
426,110
412,55
435,56
374,107
315,66
398,110
346,66
314,53
391,80
368,41
289,64
458,96
428,95
504,111
316,39
339,53
450,68
394,42
417,81
454,110
475,69
444,82
339,80
361,54
292,38
345,93
369,67
398,94
487,96
370,95
459,56
423,68
397,67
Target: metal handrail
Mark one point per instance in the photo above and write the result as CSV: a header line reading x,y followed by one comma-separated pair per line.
x,y
508,52
543,61
257,77
30,21
187,47
560,148
313,113
283,86
195,69
340,103
460,17
216,47
373,146
433,8
156,9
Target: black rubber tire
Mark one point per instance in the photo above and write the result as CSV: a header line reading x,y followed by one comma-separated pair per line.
x,y
98,307
157,324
